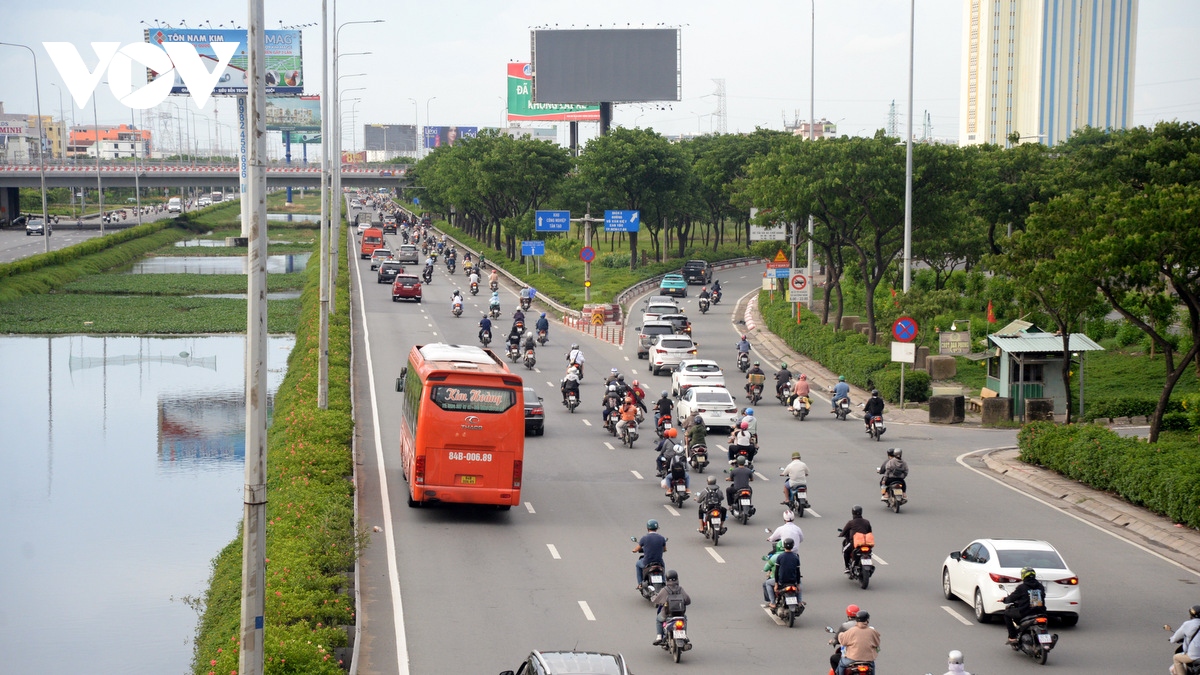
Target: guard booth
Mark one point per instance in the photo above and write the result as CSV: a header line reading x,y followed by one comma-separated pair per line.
x,y
1025,362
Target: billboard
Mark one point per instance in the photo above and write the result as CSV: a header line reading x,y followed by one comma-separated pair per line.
x,y
294,114
309,137
521,107
354,157
285,73
436,137
390,138
613,66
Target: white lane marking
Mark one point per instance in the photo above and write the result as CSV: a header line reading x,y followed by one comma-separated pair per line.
x,y
626,358
587,611
529,507
1056,509
958,616
553,552
761,477
636,474
430,325
877,559
585,421
608,445
671,510
742,277
633,370
722,448
713,552
814,513
536,370
389,531
549,383
778,621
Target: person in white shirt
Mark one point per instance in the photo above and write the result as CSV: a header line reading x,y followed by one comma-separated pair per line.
x,y
797,474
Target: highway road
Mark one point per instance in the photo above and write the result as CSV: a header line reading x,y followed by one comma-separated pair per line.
x,y
15,244
478,589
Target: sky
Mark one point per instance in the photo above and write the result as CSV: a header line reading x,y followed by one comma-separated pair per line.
x,y
451,57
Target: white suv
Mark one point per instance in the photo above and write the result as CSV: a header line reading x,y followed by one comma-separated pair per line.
x,y
696,373
668,351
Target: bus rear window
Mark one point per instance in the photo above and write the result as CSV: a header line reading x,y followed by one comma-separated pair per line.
x,y
473,399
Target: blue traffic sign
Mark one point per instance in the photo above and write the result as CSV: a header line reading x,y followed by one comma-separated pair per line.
x,y
622,221
533,248
552,221
780,273
904,329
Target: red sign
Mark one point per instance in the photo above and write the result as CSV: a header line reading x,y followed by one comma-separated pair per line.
x,y
904,329
587,254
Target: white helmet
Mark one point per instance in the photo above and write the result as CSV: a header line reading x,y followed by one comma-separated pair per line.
x,y
678,448
955,657
789,516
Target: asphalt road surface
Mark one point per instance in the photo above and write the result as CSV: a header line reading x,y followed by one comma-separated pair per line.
x,y
15,244
463,590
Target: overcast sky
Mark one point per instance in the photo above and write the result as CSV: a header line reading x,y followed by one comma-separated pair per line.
x,y
456,51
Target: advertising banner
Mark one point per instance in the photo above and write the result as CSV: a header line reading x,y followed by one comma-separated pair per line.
x,y
285,71
354,158
436,137
294,114
390,138
521,107
309,137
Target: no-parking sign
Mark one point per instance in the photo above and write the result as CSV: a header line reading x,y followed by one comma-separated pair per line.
x,y
798,284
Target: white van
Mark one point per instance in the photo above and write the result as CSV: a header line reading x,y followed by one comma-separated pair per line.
x,y
175,205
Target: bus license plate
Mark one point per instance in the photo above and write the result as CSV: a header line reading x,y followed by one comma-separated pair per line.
x,y
466,480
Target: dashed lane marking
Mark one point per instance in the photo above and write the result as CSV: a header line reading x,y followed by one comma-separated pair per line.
x,y
879,560
553,552
587,611
529,507
814,513
636,474
671,510
761,477
585,421
713,552
958,616
608,445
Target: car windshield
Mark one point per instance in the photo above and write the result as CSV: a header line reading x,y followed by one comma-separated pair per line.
x,y
658,330
714,397
406,280
676,344
390,266
381,253
1031,558
703,368
661,309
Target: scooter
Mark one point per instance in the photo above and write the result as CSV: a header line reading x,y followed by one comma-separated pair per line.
x,y
494,310
788,605
675,639
697,456
486,338
755,393
743,361
542,338
514,352
614,416
801,406
704,305
862,566
664,423
530,359
495,285
854,667
742,508
1033,638
652,578
895,496
427,275
875,427
784,394
572,400
629,434
797,497
716,297
679,491
525,303
474,288
843,409
450,266
713,526
457,309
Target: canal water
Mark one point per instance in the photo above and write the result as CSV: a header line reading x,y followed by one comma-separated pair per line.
x,y
121,471
218,264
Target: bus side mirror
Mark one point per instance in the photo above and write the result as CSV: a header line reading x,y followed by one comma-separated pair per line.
x,y
400,380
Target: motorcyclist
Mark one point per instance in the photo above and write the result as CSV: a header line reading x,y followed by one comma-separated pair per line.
x,y
519,316
709,498
612,377
716,289
856,525
474,278
622,388
1189,642
663,407
788,530
570,383
665,449
841,390
652,546
493,276
543,325
494,301
739,441
704,294
743,346
514,335
873,407
697,434
861,642
575,358
456,298
954,661
428,262
639,395
782,378
895,471
741,476
801,387
529,343
628,412
485,326
786,571
677,470
755,373
751,425
526,293
851,612
797,474
1027,599
671,601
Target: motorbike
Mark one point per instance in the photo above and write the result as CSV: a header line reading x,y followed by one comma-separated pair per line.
x,y
875,427
514,352
530,359
434,256
629,434
457,309
1193,668
743,361
784,393
543,338
704,305
675,638
742,451
661,425
713,527
474,288
797,498
610,423
486,338
895,496
843,409
679,491
525,303
788,606
652,578
754,395
450,265
427,275
742,508
572,400
494,310
861,564
854,667
495,285
801,405
716,297
1033,638
697,456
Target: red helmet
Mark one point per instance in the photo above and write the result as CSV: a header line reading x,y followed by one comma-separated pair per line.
x,y
745,425
851,611
635,383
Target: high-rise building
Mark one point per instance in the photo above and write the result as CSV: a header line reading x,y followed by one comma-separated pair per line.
x,y
1043,68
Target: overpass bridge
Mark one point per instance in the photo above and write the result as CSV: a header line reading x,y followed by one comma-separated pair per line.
x,y
124,175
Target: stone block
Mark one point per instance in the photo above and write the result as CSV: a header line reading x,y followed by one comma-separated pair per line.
x,y
941,367
996,410
1039,410
947,409
921,360
946,391
848,322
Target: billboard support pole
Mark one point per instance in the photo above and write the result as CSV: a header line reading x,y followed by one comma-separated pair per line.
x,y
574,138
605,118
287,157
323,255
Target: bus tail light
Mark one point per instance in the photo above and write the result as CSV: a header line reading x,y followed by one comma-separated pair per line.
x,y
419,470
517,474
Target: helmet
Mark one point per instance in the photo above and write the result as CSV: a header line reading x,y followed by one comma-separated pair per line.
x,y
1028,572
671,575
699,419
891,452
614,371
620,378
795,455
652,524
863,616
803,376
788,544
851,611
664,394
783,365
749,411
743,336
874,392
574,346
955,657
756,363
543,315
528,333
678,448
635,383
712,480
744,425
703,288
741,461
899,453
789,516
841,378
1194,612
856,511
671,433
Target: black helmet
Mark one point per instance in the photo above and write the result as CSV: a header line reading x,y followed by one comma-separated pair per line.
x,y
856,511
672,575
788,544
874,392
620,378
1027,573
652,524
863,616
891,452
1194,612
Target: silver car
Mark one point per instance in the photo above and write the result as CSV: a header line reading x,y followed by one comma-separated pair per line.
x,y
648,332
407,254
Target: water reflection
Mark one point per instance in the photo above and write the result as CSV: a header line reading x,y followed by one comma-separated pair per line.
x,y
295,217
279,295
121,477
218,264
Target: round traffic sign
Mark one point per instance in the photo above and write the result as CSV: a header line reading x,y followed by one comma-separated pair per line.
x,y
799,282
587,254
904,329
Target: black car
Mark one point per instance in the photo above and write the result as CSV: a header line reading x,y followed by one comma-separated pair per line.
x,y
554,663
682,324
697,272
535,413
388,270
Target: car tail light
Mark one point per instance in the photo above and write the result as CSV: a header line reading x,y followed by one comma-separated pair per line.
x,y
419,470
516,474
538,411
1070,581
692,351
1002,579
731,411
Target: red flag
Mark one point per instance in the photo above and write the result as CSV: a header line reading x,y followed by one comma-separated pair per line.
x,y
991,314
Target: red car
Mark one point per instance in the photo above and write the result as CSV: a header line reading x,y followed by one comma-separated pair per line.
x,y
406,286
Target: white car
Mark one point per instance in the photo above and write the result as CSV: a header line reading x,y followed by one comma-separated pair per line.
x,y
696,373
668,351
987,570
655,310
715,405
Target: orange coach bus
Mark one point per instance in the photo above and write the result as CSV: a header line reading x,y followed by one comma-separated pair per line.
x,y
462,427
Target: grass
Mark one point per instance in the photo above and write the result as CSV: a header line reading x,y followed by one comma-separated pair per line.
x,y
137,314
177,284
310,202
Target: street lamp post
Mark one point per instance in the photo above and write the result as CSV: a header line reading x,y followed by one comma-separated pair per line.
x,y
96,145
41,150
427,112
908,160
416,128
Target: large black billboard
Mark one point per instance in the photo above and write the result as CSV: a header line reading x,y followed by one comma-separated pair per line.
x,y
390,137
612,66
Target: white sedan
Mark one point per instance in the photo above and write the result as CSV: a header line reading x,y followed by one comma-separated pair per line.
x,y
696,373
715,405
987,570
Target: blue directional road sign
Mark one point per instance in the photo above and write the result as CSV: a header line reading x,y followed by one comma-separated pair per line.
x,y
779,273
552,221
622,221
533,248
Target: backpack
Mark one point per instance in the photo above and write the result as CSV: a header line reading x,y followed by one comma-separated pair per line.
x,y
675,605
1035,599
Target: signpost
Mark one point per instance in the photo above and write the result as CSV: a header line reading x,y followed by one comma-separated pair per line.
x,y
622,221
904,331
533,248
552,221
798,284
587,254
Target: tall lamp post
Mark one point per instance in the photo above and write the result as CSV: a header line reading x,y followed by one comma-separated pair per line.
x,y
416,127
96,145
37,90
908,159
427,116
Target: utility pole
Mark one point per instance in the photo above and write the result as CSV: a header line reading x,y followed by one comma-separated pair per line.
x,y
587,221
323,343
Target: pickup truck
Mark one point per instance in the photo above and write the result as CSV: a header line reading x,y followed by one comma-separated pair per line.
x,y
697,272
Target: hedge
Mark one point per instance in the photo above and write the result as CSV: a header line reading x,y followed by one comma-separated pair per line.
x,y
1115,407
1163,477
844,352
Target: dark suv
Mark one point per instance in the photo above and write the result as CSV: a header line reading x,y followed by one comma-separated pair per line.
x,y
697,272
